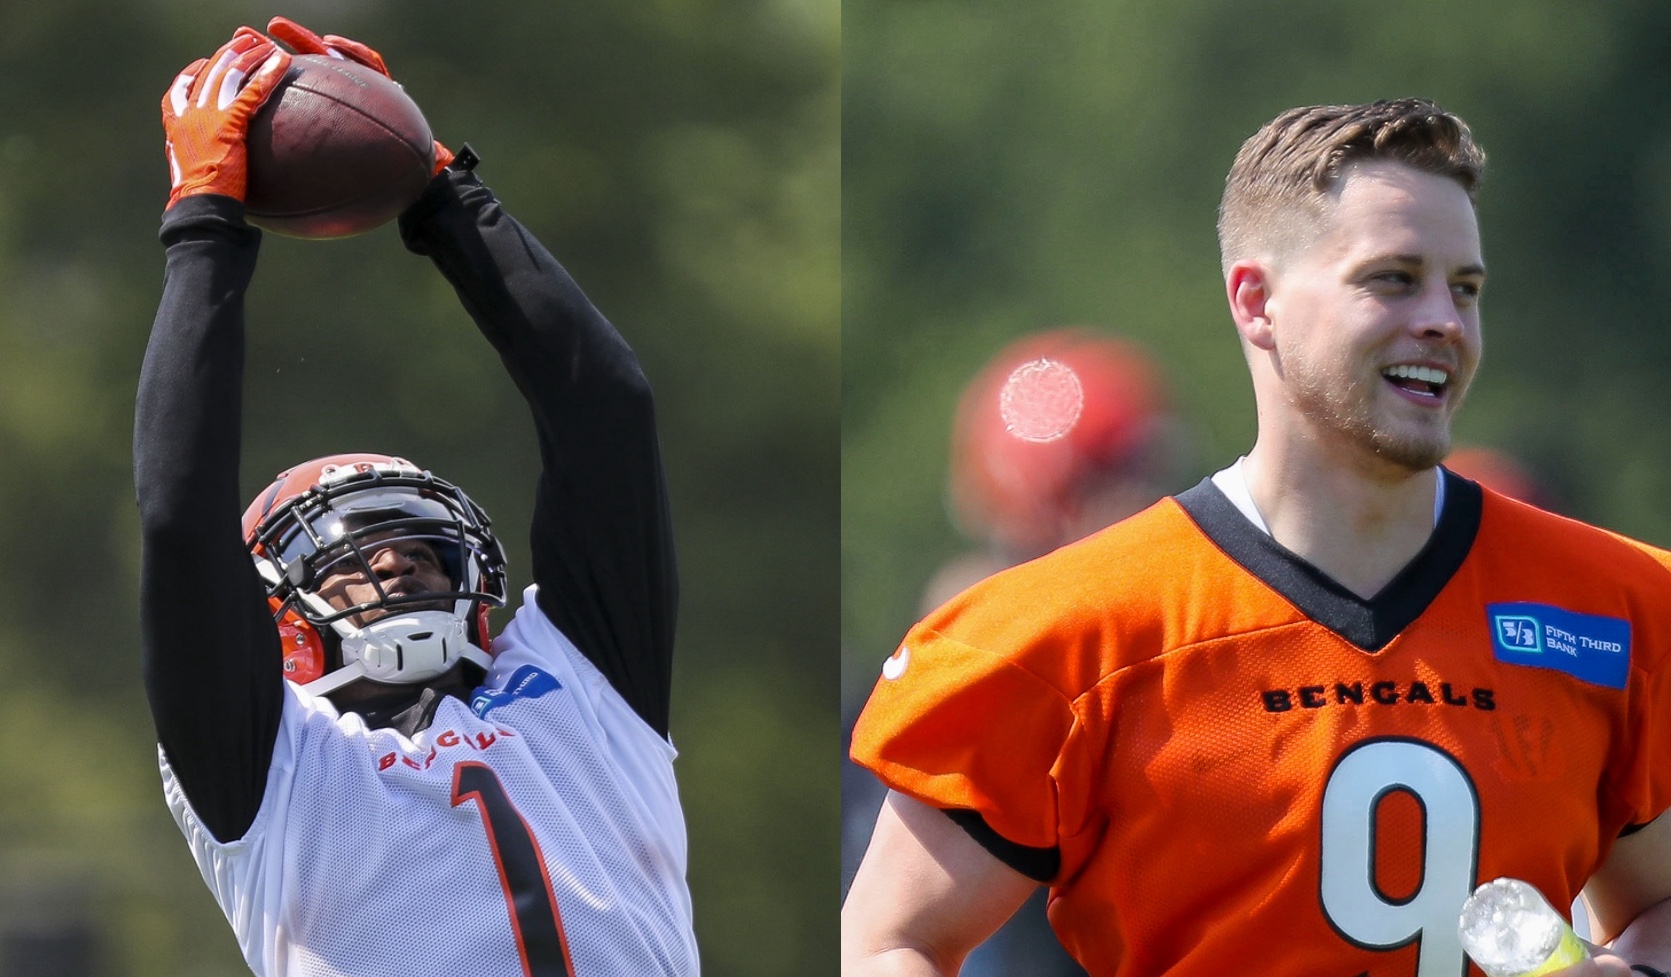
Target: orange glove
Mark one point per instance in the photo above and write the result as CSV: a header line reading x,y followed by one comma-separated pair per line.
x,y
303,41
206,113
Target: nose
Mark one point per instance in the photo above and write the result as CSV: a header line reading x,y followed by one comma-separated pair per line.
x,y
1437,317
390,562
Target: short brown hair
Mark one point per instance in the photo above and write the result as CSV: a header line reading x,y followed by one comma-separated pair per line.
x,y
1276,186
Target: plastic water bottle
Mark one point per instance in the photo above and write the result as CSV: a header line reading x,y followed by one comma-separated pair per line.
x,y
1510,930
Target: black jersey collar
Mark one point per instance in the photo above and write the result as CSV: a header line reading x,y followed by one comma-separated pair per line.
x,y
1368,624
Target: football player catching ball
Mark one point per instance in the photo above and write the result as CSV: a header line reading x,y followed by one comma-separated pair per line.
x,y
419,798
1285,722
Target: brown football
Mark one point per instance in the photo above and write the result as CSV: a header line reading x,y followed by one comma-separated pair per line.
x,y
336,150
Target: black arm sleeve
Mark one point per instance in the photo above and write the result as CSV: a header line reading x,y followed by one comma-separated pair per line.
x,y
211,657
602,538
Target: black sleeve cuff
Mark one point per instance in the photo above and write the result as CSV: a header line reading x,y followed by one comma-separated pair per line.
x,y
206,214
1039,864
445,190
1631,829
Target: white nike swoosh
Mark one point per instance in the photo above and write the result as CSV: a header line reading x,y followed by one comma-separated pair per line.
x,y
895,667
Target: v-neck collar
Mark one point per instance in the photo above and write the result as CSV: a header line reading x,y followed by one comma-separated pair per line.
x,y
1367,623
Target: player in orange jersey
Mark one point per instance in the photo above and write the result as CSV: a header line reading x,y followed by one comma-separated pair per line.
x,y
1284,722
1064,432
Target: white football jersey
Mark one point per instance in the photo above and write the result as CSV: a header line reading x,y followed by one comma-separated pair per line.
x,y
442,855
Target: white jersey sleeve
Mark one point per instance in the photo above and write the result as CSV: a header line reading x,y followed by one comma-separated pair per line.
x,y
533,831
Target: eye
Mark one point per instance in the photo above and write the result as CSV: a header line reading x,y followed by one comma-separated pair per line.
x,y
422,553
1393,279
1467,290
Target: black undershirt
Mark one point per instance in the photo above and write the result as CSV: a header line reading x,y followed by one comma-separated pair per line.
x,y
601,537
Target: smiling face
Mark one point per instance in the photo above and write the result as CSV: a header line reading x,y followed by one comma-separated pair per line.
x,y
1373,328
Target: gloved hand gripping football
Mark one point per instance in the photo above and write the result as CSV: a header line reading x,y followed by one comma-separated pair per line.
x,y
206,113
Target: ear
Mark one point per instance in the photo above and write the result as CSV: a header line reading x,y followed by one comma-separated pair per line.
x,y
1248,286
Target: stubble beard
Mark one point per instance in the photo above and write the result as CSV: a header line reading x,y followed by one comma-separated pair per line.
x,y
1348,414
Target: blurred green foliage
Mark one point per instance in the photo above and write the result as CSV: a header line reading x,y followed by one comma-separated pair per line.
x,y
1010,166
681,157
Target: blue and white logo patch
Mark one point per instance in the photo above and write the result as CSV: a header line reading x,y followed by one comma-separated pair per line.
x,y
526,682
1589,647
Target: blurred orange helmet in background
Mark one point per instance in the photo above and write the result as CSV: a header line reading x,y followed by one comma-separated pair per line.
x,y
1049,412
1500,472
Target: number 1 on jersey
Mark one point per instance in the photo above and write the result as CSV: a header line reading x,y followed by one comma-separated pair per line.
x,y
1352,900
528,894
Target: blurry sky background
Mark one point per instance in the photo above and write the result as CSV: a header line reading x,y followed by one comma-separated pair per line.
x,y
681,158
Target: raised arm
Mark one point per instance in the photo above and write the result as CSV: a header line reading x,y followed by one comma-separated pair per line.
x,y
602,538
210,651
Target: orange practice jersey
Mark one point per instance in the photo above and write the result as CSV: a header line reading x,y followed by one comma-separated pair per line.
x,y
1223,762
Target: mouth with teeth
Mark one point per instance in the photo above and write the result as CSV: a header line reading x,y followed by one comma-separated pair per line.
x,y
1424,382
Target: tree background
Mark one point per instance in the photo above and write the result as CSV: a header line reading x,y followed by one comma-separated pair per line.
x,y
681,158
1010,166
